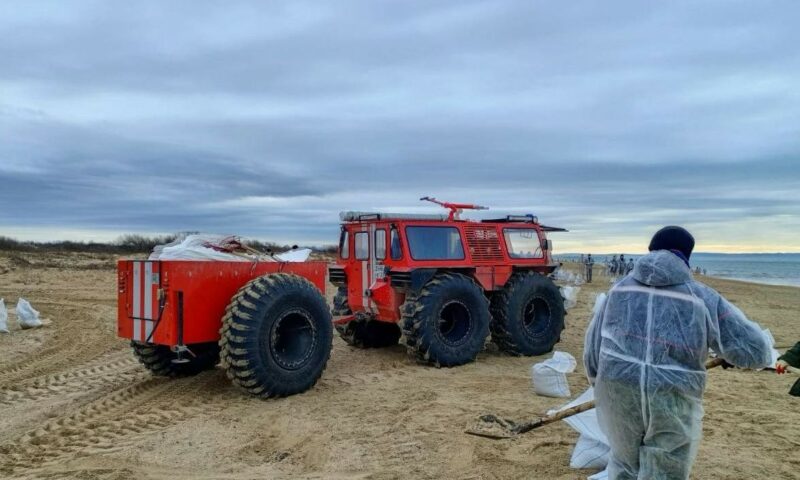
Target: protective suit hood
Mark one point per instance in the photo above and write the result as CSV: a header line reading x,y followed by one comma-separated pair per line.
x,y
661,268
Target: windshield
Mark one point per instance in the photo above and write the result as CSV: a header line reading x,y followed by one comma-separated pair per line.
x,y
523,243
435,243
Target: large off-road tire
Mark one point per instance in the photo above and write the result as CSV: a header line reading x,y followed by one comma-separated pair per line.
x,y
527,315
276,336
447,322
340,305
159,359
363,333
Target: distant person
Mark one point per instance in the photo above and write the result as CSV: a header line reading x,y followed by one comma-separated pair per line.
x,y
589,267
629,267
645,355
705,272
614,265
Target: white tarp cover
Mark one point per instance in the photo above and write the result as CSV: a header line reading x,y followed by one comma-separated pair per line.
x,y
3,317
192,247
591,449
196,247
27,316
298,255
549,377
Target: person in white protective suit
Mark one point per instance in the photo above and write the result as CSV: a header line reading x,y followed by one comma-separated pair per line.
x,y
645,354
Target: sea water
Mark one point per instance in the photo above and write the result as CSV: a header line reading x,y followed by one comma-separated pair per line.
x,y
770,268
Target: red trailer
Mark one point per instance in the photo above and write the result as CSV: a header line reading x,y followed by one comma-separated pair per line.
x,y
268,322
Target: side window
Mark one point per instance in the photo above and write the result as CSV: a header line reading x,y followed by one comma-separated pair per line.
x,y
362,245
344,245
394,238
523,243
380,243
435,243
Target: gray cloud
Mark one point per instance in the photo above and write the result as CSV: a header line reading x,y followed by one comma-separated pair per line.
x,y
267,119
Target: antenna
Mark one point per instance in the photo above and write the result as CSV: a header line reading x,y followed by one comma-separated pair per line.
x,y
455,208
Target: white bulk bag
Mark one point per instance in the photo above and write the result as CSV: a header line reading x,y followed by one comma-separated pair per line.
x,y
591,450
549,377
570,295
3,317
27,316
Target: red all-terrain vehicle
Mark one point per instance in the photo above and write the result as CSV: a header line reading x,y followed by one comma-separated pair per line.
x,y
443,284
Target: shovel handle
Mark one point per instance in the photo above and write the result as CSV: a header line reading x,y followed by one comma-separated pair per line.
x,y
528,426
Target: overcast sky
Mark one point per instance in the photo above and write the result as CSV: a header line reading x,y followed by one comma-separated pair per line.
x,y
266,119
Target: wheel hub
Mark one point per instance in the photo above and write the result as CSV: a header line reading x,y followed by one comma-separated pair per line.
x,y
536,316
455,322
293,339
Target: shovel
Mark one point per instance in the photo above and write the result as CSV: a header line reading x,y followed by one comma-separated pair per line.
x,y
496,428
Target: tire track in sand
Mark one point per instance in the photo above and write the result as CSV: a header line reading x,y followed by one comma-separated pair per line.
x,y
108,423
110,370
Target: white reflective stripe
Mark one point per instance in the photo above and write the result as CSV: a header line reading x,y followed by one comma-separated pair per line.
x,y
372,269
648,358
148,291
148,329
660,292
137,300
635,360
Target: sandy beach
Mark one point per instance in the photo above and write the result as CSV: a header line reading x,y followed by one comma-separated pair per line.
x,y
75,403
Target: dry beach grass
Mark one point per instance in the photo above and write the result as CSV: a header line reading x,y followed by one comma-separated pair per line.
x,y
75,404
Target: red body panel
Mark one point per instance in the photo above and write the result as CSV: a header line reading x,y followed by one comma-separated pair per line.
x,y
148,291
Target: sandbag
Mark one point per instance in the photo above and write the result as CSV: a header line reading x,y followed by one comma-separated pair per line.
x,y
27,316
549,377
591,450
570,295
3,317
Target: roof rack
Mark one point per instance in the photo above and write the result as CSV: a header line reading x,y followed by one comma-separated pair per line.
x,y
528,218
366,216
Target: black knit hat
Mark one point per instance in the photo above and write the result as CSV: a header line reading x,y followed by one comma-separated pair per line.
x,y
673,238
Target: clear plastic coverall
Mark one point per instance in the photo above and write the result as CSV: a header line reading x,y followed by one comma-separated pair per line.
x,y
645,354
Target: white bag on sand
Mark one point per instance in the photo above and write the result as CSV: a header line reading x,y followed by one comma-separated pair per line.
x,y
549,377
570,295
3,317
591,450
27,316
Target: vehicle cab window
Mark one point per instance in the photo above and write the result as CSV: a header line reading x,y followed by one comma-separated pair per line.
x,y
395,247
380,243
362,245
435,243
344,245
523,243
